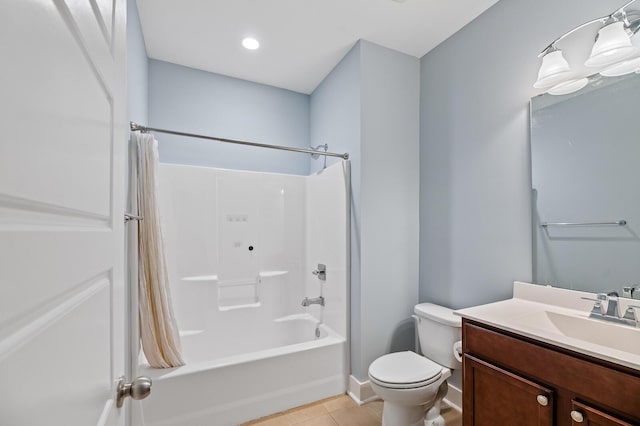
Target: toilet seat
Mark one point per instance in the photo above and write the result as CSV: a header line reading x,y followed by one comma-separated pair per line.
x,y
404,370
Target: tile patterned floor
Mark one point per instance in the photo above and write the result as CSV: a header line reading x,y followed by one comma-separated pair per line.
x,y
340,410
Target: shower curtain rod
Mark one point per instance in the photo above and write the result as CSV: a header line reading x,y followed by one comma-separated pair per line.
x,y
137,127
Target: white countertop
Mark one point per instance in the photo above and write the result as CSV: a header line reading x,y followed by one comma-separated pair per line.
x,y
527,314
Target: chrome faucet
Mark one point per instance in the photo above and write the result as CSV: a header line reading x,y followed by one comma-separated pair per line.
x,y
317,301
612,305
613,312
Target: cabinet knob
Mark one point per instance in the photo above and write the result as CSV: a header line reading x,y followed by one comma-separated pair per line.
x,y
542,400
577,416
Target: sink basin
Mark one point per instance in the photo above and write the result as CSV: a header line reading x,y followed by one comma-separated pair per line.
x,y
616,336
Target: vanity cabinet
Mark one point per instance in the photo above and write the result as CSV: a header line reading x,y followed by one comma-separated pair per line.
x,y
513,380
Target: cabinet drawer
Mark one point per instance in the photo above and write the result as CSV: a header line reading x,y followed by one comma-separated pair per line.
x,y
582,414
607,387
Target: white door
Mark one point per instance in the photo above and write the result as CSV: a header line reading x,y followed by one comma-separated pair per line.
x,y
62,148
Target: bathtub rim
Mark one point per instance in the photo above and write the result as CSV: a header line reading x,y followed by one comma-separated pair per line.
x,y
332,338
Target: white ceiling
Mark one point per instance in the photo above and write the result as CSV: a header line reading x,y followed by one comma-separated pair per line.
x,y
301,40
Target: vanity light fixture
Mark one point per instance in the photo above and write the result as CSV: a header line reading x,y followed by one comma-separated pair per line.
x,y
612,45
612,50
250,43
622,68
568,86
553,70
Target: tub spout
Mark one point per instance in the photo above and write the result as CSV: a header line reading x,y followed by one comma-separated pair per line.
x,y
317,301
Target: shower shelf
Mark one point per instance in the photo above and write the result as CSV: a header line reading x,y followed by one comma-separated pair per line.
x,y
214,278
270,274
242,306
201,278
187,333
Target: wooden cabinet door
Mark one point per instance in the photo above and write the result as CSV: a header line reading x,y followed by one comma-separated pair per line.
x,y
583,415
494,396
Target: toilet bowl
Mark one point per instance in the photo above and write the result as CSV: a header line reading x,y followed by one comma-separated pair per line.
x,y
412,386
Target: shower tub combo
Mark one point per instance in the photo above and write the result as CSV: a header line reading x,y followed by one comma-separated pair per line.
x,y
241,248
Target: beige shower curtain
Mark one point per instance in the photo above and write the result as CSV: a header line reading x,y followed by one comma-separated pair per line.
x,y
158,328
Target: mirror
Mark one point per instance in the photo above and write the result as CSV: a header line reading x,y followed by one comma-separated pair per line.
x,y
585,164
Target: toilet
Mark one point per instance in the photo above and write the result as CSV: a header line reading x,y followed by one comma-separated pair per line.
x,y
412,386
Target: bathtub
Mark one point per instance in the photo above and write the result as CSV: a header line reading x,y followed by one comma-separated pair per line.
x,y
241,248
234,379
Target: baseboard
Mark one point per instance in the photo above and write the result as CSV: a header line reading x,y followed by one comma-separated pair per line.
x,y
361,392
454,398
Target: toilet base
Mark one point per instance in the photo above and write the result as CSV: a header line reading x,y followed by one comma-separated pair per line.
x,y
438,421
402,415
433,417
417,415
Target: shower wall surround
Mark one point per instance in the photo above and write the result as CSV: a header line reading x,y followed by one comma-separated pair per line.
x,y
326,243
241,247
248,241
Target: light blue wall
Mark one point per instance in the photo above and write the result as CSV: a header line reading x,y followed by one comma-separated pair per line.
x,y
196,101
390,103
335,112
369,107
475,206
137,68
335,119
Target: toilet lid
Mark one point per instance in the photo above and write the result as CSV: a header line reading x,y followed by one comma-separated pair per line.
x,y
404,369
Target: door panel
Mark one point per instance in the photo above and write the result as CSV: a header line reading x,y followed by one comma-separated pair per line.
x,y
60,358
40,263
57,114
61,211
499,397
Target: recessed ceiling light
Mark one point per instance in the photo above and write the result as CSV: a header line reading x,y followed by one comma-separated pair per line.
x,y
250,43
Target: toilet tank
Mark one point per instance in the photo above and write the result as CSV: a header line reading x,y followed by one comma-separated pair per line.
x,y
438,330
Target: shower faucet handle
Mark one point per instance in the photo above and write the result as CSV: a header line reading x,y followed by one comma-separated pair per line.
x,y
631,292
321,271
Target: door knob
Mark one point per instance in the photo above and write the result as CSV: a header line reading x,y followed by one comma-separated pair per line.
x,y
139,388
542,400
